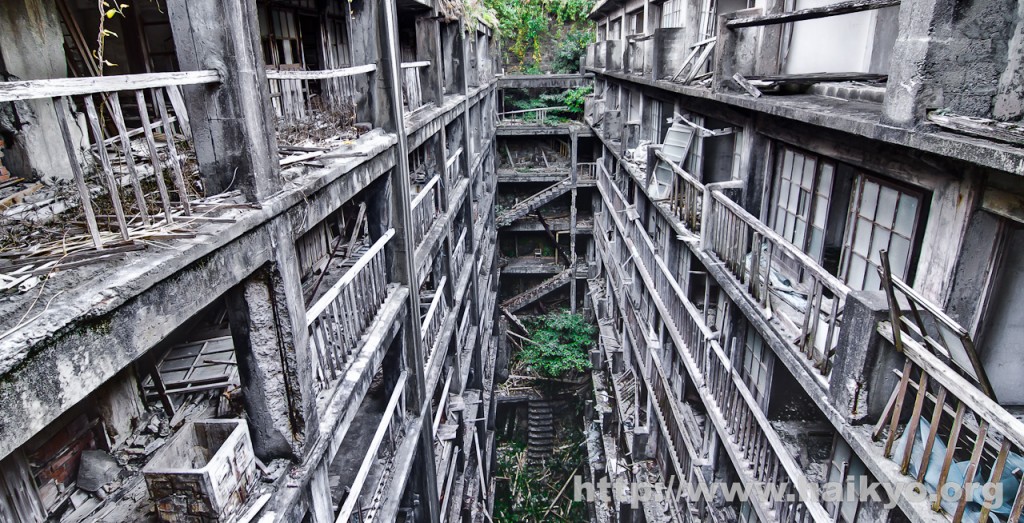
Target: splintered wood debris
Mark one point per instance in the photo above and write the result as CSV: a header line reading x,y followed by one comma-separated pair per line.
x,y
46,248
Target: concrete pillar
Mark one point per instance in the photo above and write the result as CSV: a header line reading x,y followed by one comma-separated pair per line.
x,y
862,377
910,90
31,48
736,50
232,122
403,249
268,324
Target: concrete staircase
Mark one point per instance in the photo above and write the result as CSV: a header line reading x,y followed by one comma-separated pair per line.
x,y
529,296
533,202
541,441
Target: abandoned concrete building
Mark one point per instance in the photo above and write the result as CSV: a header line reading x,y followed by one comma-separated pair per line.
x,y
261,260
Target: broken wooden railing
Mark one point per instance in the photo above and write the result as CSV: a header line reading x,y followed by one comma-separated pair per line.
x,y
586,170
411,87
809,308
453,169
295,98
459,251
424,210
381,454
953,431
337,320
729,403
685,193
432,322
153,102
540,114
929,326
685,459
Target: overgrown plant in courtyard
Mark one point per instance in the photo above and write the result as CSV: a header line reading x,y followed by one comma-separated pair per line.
x,y
529,28
559,344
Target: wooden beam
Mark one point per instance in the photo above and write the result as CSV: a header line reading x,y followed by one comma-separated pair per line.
x,y
841,8
36,89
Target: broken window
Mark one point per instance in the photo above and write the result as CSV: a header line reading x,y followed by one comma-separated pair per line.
x,y
803,186
672,13
755,363
280,35
842,217
882,217
845,468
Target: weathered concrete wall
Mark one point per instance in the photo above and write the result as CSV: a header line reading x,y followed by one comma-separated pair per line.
x,y
670,51
962,56
31,48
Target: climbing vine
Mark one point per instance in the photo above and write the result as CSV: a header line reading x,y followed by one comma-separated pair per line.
x,y
526,26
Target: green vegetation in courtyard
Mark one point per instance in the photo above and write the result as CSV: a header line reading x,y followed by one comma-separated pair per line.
x,y
529,493
530,29
559,344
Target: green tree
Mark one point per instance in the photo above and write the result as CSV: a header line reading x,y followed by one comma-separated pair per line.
x,y
559,344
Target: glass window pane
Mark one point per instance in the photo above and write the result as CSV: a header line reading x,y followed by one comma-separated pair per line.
x,y
787,164
879,241
872,282
815,243
825,179
820,211
800,233
906,215
807,182
886,207
783,193
862,237
899,256
855,274
869,199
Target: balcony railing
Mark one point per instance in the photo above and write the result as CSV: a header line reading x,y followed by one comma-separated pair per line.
x,y
954,434
459,252
753,253
432,322
685,193
453,169
539,114
424,210
380,456
338,320
586,170
752,437
295,101
104,210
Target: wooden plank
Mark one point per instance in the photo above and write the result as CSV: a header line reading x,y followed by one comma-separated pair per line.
x,y
747,86
114,101
841,8
76,169
172,151
345,514
181,114
52,88
981,127
112,186
320,75
154,156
